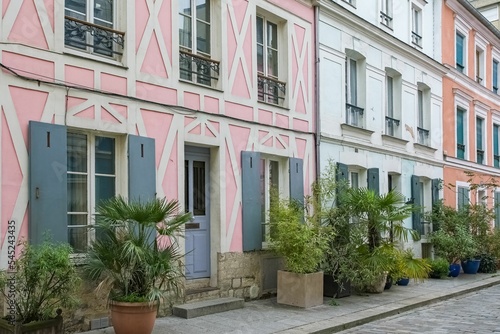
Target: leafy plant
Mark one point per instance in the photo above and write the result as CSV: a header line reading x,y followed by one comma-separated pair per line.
x,y
45,279
488,264
439,268
127,259
407,266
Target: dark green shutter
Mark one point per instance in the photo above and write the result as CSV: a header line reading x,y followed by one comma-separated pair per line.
x,y
497,209
342,178
251,201
48,185
297,180
417,212
373,180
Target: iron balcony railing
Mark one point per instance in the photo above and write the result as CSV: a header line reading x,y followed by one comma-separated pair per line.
x,y
416,38
271,90
460,67
386,19
92,37
480,156
354,115
423,136
197,68
461,151
391,126
496,160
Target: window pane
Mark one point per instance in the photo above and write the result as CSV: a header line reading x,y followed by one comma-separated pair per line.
x,y
460,127
420,109
460,49
260,58
274,174
104,155
353,86
390,101
185,31
76,9
78,239
272,35
77,219
77,193
354,180
479,133
495,139
495,76
272,63
203,10
203,37
77,153
260,30
199,208
186,185
185,7
104,188
103,12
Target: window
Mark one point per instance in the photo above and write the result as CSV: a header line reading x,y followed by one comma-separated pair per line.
x,y
497,209
462,197
480,66
270,89
195,41
91,176
392,118
89,25
386,12
416,26
495,77
354,180
479,140
482,198
354,112
460,52
496,148
351,2
461,126
423,100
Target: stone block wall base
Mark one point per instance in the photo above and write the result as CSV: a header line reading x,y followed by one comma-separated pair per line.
x,y
302,290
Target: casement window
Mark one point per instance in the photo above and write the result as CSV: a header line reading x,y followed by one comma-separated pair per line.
x,y
480,66
416,26
497,209
423,114
354,180
386,13
71,172
354,67
260,175
195,43
460,133
393,103
495,77
270,88
90,26
463,197
480,140
496,146
460,51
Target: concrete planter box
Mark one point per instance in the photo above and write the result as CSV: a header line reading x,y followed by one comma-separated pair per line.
x,y
52,326
302,290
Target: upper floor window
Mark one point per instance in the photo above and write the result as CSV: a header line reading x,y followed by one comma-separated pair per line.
x,y
195,41
495,77
354,112
351,2
460,52
496,146
462,197
270,89
461,135
386,12
423,114
480,66
480,140
416,26
89,25
393,100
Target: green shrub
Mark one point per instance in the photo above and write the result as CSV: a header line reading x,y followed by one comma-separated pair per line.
x,y
488,264
439,268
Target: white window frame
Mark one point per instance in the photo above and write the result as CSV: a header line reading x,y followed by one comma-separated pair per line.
x,y
462,28
481,111
423,113
480,60
354,116
91,174
462,101
393,108
194,34
386,16
416,21
462,185
495,57
495,121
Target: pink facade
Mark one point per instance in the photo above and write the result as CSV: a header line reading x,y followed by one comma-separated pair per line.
x,y
139,91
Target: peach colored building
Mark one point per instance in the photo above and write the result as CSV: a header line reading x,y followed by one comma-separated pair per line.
x,y
471,105
209,102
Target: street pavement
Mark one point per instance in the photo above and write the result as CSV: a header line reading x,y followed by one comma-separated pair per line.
x,y
476,312
266,316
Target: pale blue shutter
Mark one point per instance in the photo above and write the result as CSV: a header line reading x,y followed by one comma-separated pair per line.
x,y
497,209
463,197
297,180
416,196
251,201
342,178
373,180
47,182
141,168
435,191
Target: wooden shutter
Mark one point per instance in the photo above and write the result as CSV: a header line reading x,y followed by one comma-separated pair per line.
x,y
417,213
463,197
497,209
373,180
297,180
251,201
47,182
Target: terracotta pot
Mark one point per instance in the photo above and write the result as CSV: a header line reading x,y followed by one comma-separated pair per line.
x,y
133,318
303,290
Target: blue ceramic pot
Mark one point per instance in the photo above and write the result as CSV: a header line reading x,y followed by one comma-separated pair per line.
x,y
403,281
454,270
471,266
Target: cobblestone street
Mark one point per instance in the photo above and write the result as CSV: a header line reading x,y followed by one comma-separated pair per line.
x,y
477,312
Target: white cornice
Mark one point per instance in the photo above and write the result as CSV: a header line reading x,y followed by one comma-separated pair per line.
x,y
471,166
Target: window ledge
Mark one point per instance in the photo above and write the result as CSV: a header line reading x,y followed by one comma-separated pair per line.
x,y
200,85
395,142
273,105
90,56
356,132
424,149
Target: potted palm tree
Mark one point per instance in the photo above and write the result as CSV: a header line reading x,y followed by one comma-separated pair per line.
x,y
131,264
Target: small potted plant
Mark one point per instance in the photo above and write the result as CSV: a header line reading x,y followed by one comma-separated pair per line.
x,y
410,267
41,282
440,268
302,245
130,263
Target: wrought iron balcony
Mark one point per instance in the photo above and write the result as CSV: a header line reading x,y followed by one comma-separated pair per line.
x,y
479,79
496,160
416,38
480,156
461,151
460,67
198,68
271,90
354,115
391,126
386,19
93,38
423,136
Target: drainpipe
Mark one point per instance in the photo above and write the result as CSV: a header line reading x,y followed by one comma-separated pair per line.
x,y
316,87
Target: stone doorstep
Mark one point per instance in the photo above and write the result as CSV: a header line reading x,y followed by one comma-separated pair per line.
x,y
193,310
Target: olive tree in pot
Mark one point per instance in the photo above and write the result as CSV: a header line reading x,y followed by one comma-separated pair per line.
x,y
131,264
302,244
37,286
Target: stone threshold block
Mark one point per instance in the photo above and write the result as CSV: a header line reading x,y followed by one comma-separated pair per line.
x,y
193,310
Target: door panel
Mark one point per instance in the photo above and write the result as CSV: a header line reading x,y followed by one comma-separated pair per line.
x,y
197,201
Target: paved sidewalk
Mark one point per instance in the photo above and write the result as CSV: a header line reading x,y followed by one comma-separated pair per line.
x,y
266,316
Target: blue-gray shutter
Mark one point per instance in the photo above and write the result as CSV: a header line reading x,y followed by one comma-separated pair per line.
x,y
463,197
417,212
435,191
497,209
373,180
251,201
297,180
48,186
342,178
141,168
